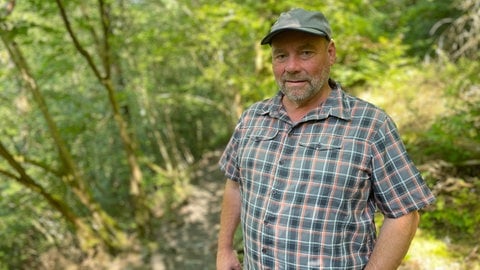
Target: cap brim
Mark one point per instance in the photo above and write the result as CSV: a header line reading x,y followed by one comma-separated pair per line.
x,y
268,38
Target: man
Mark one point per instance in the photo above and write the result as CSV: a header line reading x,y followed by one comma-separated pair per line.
x,y
308,168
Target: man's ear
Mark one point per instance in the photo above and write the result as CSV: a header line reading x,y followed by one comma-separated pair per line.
x,y
332,52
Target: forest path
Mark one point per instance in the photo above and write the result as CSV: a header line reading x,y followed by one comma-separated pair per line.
x,y
191,240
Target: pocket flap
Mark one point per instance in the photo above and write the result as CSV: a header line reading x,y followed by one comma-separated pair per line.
x,y
322,141
263,134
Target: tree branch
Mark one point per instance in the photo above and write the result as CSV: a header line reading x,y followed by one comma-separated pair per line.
x,y
76,42
129,143
39,164
29,183
9,174
106,44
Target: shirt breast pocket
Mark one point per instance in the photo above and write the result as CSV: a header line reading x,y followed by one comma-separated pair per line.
x,y
259,149
336,160
319,156
321,142
263,134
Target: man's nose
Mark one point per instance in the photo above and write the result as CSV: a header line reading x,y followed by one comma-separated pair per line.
x,y
292,65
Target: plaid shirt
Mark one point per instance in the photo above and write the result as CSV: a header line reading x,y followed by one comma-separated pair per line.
x,y
310,189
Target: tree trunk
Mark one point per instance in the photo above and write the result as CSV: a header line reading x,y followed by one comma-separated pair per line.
x,y
71,175
142,211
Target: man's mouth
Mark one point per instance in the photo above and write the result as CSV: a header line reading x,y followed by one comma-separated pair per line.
x,y
295,82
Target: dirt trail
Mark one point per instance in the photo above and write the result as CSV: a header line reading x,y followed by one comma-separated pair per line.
x,y
191,242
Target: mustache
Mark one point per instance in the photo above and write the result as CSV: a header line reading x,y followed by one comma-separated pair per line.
x,y
295,78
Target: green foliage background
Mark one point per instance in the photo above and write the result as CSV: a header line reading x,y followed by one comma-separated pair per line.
x,y
182,72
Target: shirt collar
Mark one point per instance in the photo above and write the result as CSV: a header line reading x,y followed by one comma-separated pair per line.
x,y
337,103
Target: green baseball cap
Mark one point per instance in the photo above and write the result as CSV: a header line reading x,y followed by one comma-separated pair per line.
x,y
300,20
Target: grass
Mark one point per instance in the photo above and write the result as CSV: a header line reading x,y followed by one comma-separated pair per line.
x,y
428,253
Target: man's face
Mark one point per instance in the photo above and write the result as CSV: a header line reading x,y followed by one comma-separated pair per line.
x,y
301,65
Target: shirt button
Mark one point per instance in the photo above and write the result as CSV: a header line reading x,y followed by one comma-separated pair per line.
x,y
276,194
268,220
264,250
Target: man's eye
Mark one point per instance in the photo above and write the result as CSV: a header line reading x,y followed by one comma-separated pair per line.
x,y
307,54
280,57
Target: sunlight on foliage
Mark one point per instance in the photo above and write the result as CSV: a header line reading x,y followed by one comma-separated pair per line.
x,y
427,253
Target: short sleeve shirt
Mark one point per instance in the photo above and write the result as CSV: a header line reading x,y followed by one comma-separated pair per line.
x,y
310,189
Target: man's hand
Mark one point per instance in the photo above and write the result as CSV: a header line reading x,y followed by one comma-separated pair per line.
x,y
228,260
229,220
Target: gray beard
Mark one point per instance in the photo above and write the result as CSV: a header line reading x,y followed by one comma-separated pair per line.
x,y
315,86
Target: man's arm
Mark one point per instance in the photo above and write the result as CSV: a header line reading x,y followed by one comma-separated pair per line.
x,y
393,242
229,220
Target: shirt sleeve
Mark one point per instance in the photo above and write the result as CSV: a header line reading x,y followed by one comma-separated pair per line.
x,y
228,161
397,184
